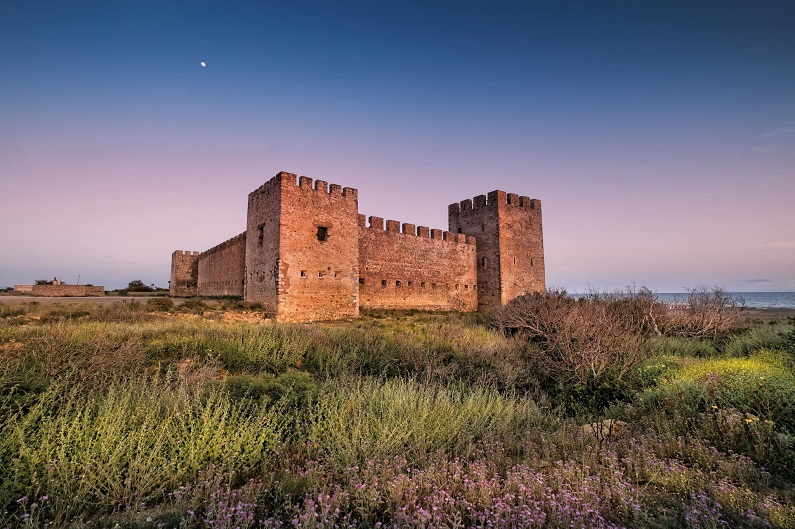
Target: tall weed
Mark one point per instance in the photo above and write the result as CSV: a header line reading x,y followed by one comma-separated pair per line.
x,y
355,421
132,443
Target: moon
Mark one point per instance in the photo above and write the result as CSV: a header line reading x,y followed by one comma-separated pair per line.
x,y
203,64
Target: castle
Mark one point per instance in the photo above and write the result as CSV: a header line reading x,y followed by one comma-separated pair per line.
x,y
307,254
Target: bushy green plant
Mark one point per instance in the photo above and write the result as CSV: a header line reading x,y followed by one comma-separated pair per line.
x,y
760,385
678,346
161,304
355,421
193,305
131,443
753,339
292,390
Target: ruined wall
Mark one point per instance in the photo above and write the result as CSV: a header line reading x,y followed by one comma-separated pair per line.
x,y
318,251
23,289
67,290
510,249
221,268
184,274
415,268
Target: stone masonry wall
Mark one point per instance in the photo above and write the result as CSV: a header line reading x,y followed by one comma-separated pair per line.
x,y
521,247
262,244
318,251
184,274
415,268
510,254
221,268
67,290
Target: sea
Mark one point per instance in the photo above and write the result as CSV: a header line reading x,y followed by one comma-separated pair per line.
x,y
751,300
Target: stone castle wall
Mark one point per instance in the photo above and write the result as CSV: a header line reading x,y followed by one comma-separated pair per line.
x,y
221,268
262,244
415,267
510,252
67,290
319,251
308,255
184,274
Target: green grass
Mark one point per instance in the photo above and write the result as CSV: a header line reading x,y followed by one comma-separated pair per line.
x,y
131,412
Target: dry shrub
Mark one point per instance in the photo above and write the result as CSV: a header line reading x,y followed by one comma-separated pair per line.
x,y
583,341
706,313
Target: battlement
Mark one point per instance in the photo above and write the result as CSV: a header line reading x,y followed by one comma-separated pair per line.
x,y
492,200
284,179
239,238
307,254
396,227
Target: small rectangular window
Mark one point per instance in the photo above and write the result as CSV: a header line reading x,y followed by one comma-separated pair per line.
x,y
322,233
303,273
398,283
260,235
411,284
361,280
383,283
322,273
422,285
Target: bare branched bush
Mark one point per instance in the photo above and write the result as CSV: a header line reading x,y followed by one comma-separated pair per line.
x,y
706,313
587,340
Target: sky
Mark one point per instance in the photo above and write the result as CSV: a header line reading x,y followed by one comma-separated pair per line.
x,y
659,136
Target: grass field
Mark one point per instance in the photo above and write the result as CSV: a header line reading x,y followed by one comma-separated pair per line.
x,y
206,415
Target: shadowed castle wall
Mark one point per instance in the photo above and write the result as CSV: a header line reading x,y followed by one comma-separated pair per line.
x,y
221,268
415,268
510,251
184,274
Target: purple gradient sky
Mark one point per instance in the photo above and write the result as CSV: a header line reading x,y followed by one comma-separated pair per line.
x,y
659,136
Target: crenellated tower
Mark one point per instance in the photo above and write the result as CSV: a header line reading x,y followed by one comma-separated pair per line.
x,y
510,244
302,249
184,280
308,255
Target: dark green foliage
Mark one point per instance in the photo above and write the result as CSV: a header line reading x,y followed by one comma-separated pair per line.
x,y
136,285
292,390
193,305
162,304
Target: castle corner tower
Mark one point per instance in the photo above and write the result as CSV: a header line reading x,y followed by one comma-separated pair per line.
x,y
302,249
510,244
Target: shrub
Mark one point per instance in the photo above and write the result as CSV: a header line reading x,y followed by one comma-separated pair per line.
x,y
590,341
357,421
292,390
706,313
760,385
193,305
160,304
130,444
